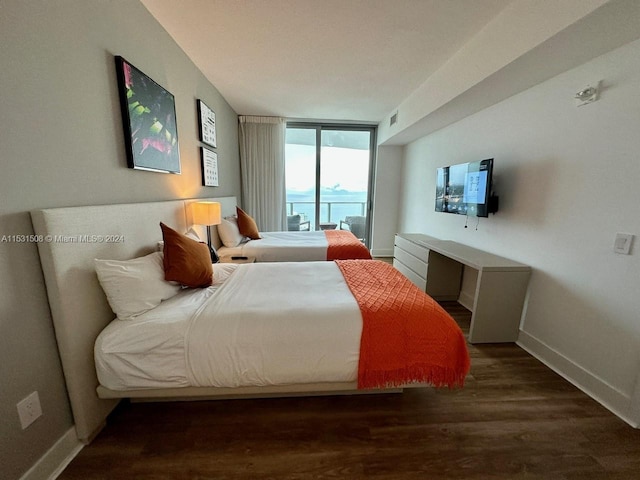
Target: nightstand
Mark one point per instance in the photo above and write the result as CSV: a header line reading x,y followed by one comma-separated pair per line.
x,y
230,259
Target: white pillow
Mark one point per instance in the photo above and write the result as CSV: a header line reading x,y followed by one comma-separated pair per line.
x,y
191,233
134,286
229,233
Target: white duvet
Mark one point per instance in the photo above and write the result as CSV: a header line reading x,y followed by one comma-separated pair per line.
x,y
283,247
260,324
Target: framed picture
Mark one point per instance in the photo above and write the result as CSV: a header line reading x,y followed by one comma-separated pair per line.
x,y
207,124
149,121
209,168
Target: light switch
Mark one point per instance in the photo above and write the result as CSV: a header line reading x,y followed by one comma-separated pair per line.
x,y
623,243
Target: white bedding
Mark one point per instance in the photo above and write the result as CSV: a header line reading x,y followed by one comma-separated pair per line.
x,y
283,247
149,351
266,324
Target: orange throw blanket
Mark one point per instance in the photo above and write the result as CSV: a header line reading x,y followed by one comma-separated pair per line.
x,y
344,245
406,336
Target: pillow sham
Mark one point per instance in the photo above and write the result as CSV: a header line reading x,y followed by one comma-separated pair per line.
x,y
229,233
134,286
247,225
186,261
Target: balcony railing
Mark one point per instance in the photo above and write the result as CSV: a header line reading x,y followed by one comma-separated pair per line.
x,y
330,212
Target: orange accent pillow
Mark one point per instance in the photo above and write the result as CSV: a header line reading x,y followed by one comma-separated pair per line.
x,y
247,225
185,261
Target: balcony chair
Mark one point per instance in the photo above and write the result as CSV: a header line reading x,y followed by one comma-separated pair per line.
x,y
356,224
295,223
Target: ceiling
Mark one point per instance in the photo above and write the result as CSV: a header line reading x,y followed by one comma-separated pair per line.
x,y
347,60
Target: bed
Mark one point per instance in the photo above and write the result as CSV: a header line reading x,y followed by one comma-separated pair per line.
x,y
84,321
300,247
290,246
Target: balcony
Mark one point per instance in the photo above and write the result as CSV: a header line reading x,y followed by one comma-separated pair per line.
x,y
330,212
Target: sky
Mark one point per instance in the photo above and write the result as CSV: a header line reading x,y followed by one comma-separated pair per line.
x,y
341,168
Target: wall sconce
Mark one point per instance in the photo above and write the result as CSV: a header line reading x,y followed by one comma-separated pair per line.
x,y
589,94
208,213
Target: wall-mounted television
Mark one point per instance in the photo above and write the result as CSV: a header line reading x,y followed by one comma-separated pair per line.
x,y
466,189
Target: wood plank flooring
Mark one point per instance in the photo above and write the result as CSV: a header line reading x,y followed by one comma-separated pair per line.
x,y
514,419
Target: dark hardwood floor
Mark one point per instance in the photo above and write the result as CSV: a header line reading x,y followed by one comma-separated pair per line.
x,y
514,419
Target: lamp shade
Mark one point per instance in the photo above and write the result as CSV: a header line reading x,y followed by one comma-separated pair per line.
x,y
206,213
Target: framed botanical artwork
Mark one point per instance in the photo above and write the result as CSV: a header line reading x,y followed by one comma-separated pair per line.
x,y
207,124
209,167
149,121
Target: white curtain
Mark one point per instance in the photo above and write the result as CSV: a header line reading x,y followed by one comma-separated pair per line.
x,y
263,172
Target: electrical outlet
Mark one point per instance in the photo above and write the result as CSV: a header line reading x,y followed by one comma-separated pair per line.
x,y
29,409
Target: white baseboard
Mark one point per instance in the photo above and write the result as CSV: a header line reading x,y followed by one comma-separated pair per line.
x,y
52,463
608,396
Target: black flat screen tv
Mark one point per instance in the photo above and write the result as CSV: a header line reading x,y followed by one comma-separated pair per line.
x,y
465,189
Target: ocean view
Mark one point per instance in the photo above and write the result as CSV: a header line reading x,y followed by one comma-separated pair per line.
x,y
335,205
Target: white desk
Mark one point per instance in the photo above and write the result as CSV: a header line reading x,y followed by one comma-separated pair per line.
x,y
436,266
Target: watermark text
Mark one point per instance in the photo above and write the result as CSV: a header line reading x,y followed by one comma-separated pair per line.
x,y
80,238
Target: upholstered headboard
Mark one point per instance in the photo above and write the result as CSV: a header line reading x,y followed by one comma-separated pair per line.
x,y
72,238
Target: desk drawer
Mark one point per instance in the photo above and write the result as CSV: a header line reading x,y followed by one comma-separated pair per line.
x,y
414,263
414,249
416,279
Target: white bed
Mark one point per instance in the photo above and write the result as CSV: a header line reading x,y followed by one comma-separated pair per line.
x,y
81,312
291,246
204,337
282,247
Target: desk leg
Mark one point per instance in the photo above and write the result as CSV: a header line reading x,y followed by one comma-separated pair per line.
x,y
497,306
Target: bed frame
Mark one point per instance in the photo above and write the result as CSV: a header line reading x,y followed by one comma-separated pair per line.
x,y
71,240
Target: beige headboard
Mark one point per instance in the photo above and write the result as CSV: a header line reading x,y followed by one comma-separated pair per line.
x,y
72,238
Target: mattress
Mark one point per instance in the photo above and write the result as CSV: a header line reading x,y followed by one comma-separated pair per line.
x,y
148,352
259,324
283,247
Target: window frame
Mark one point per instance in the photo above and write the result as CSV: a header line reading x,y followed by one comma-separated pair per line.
x,y
319,127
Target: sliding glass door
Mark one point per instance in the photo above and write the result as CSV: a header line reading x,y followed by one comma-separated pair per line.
x,y
328,176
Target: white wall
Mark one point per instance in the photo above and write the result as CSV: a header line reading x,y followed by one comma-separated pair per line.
x,y
568,181
386,192
527,42
63,144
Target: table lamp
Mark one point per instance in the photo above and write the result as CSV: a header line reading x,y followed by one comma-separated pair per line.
x,y
208,213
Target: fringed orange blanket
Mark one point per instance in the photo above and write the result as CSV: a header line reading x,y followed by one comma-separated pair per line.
x,y
344,245
406,337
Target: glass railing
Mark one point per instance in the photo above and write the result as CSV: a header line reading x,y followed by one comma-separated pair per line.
x,y
330,212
